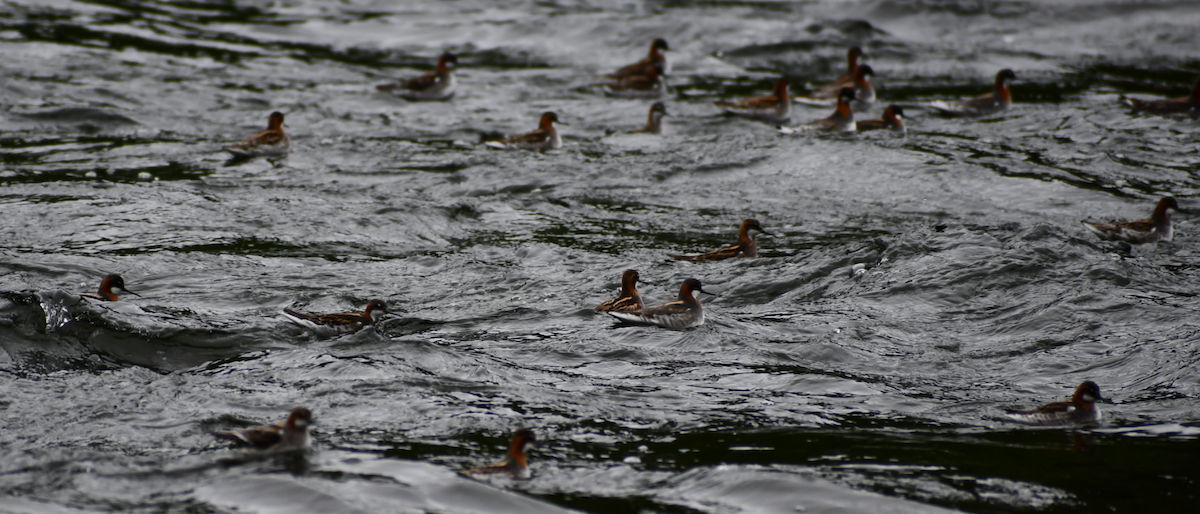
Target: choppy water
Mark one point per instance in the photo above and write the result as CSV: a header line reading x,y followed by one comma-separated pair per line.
x,y
810,389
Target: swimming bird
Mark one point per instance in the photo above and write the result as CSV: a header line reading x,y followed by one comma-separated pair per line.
x,y
108,287
650,85
893,119
272,142
999,100
775,107
289,434
1189,105
544,138
340,322
515,464
833,89
842,119
1081,409
655,123
628,299
437,84
656,60
745,247
1157,228
863,90
685,312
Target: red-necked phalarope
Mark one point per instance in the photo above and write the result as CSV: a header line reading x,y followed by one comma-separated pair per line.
x,y
544,138
863,90
341,321
997,101
629,299
1081,409
434,85
289,434
272,142
656,60
832,89
515,464
893,119
842,119
1189,105
650,85
1157,228
775,107
685,312
745,247
655,124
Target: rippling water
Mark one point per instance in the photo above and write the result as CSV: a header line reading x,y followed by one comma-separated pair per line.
x,y
916,286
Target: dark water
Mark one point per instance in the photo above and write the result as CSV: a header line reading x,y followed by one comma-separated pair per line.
x,y
810,389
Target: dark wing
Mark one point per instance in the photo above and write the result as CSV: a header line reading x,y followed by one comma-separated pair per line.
x,y
729,252
1171,106
302,315
1055,408
1107,231
875,124
508,467
1052,414
984,102
336,319
833,89
674,315
536,137
757,102
641,67
344,318
388,88
421,83
1137,226
822,124
1130,231
264,138
622,304
640,82
264,436
666,309
486,470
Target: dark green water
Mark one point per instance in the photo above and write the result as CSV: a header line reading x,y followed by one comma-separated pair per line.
x,y
810,388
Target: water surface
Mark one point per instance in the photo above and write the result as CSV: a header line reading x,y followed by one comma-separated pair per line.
x,y
916,286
